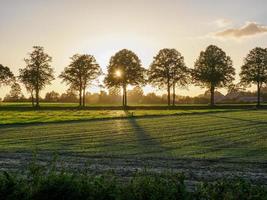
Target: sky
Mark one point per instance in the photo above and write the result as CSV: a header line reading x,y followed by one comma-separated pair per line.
x,y
103,27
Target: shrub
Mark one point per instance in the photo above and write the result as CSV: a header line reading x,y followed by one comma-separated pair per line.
x,y
156,187
39,184
12,187
231,189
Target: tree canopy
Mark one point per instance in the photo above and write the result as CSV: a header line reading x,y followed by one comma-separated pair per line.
x,y
125,69
6,76
213,69
254,70
80,73
168,69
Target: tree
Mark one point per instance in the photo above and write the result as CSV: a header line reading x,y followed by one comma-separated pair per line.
x,y
168,70
15,92
6,76
213,69
124,69
27,78
38,72
254,70
52,96
80,73
152,98
70,96
136,94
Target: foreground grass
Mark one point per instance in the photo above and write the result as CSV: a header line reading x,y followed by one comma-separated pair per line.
x,y
42,183
238,135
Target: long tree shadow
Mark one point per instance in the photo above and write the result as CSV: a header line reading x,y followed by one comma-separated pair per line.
x,y
146,143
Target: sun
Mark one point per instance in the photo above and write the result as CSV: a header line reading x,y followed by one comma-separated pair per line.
x,y
118,73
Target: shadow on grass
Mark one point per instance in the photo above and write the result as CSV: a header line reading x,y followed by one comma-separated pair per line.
x,y
28,107
147,143
127,115
240,119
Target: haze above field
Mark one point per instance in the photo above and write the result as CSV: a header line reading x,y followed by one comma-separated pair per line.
x,y
101,28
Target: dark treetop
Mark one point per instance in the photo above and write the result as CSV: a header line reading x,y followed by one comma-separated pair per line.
x,y
213,69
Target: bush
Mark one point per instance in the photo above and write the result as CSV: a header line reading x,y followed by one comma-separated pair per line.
x,y
230,189
39,184
156,187
12,187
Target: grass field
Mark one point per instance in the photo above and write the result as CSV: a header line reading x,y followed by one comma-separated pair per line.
x,y
202,143
44,116
240,135
23,113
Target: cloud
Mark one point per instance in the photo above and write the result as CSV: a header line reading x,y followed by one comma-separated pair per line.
x,y
221,23
248,30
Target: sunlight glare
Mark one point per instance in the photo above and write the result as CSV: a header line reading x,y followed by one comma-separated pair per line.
x,y
118,73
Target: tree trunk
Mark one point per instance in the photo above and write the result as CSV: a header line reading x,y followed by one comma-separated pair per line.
x,y
32,99
125,96
212,88
37,88
83,97
258,94
122,96
37,98
80,96
173,94
169,94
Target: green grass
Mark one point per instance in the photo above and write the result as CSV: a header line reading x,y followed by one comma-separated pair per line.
x,y
22,116
234,135
74,105
23,113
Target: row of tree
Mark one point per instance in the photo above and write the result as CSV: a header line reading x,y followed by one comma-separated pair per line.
x,y
137,96
213,69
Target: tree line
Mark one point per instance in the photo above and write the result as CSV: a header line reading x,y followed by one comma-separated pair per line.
x,y
213,69
137,96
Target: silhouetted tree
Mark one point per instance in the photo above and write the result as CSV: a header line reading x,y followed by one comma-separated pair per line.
x,y
168,70
124,69
254,70
38,72
27,78
52,96
69,96
80,73
235,88
6,76
152,98
136,94
15,92
213,69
